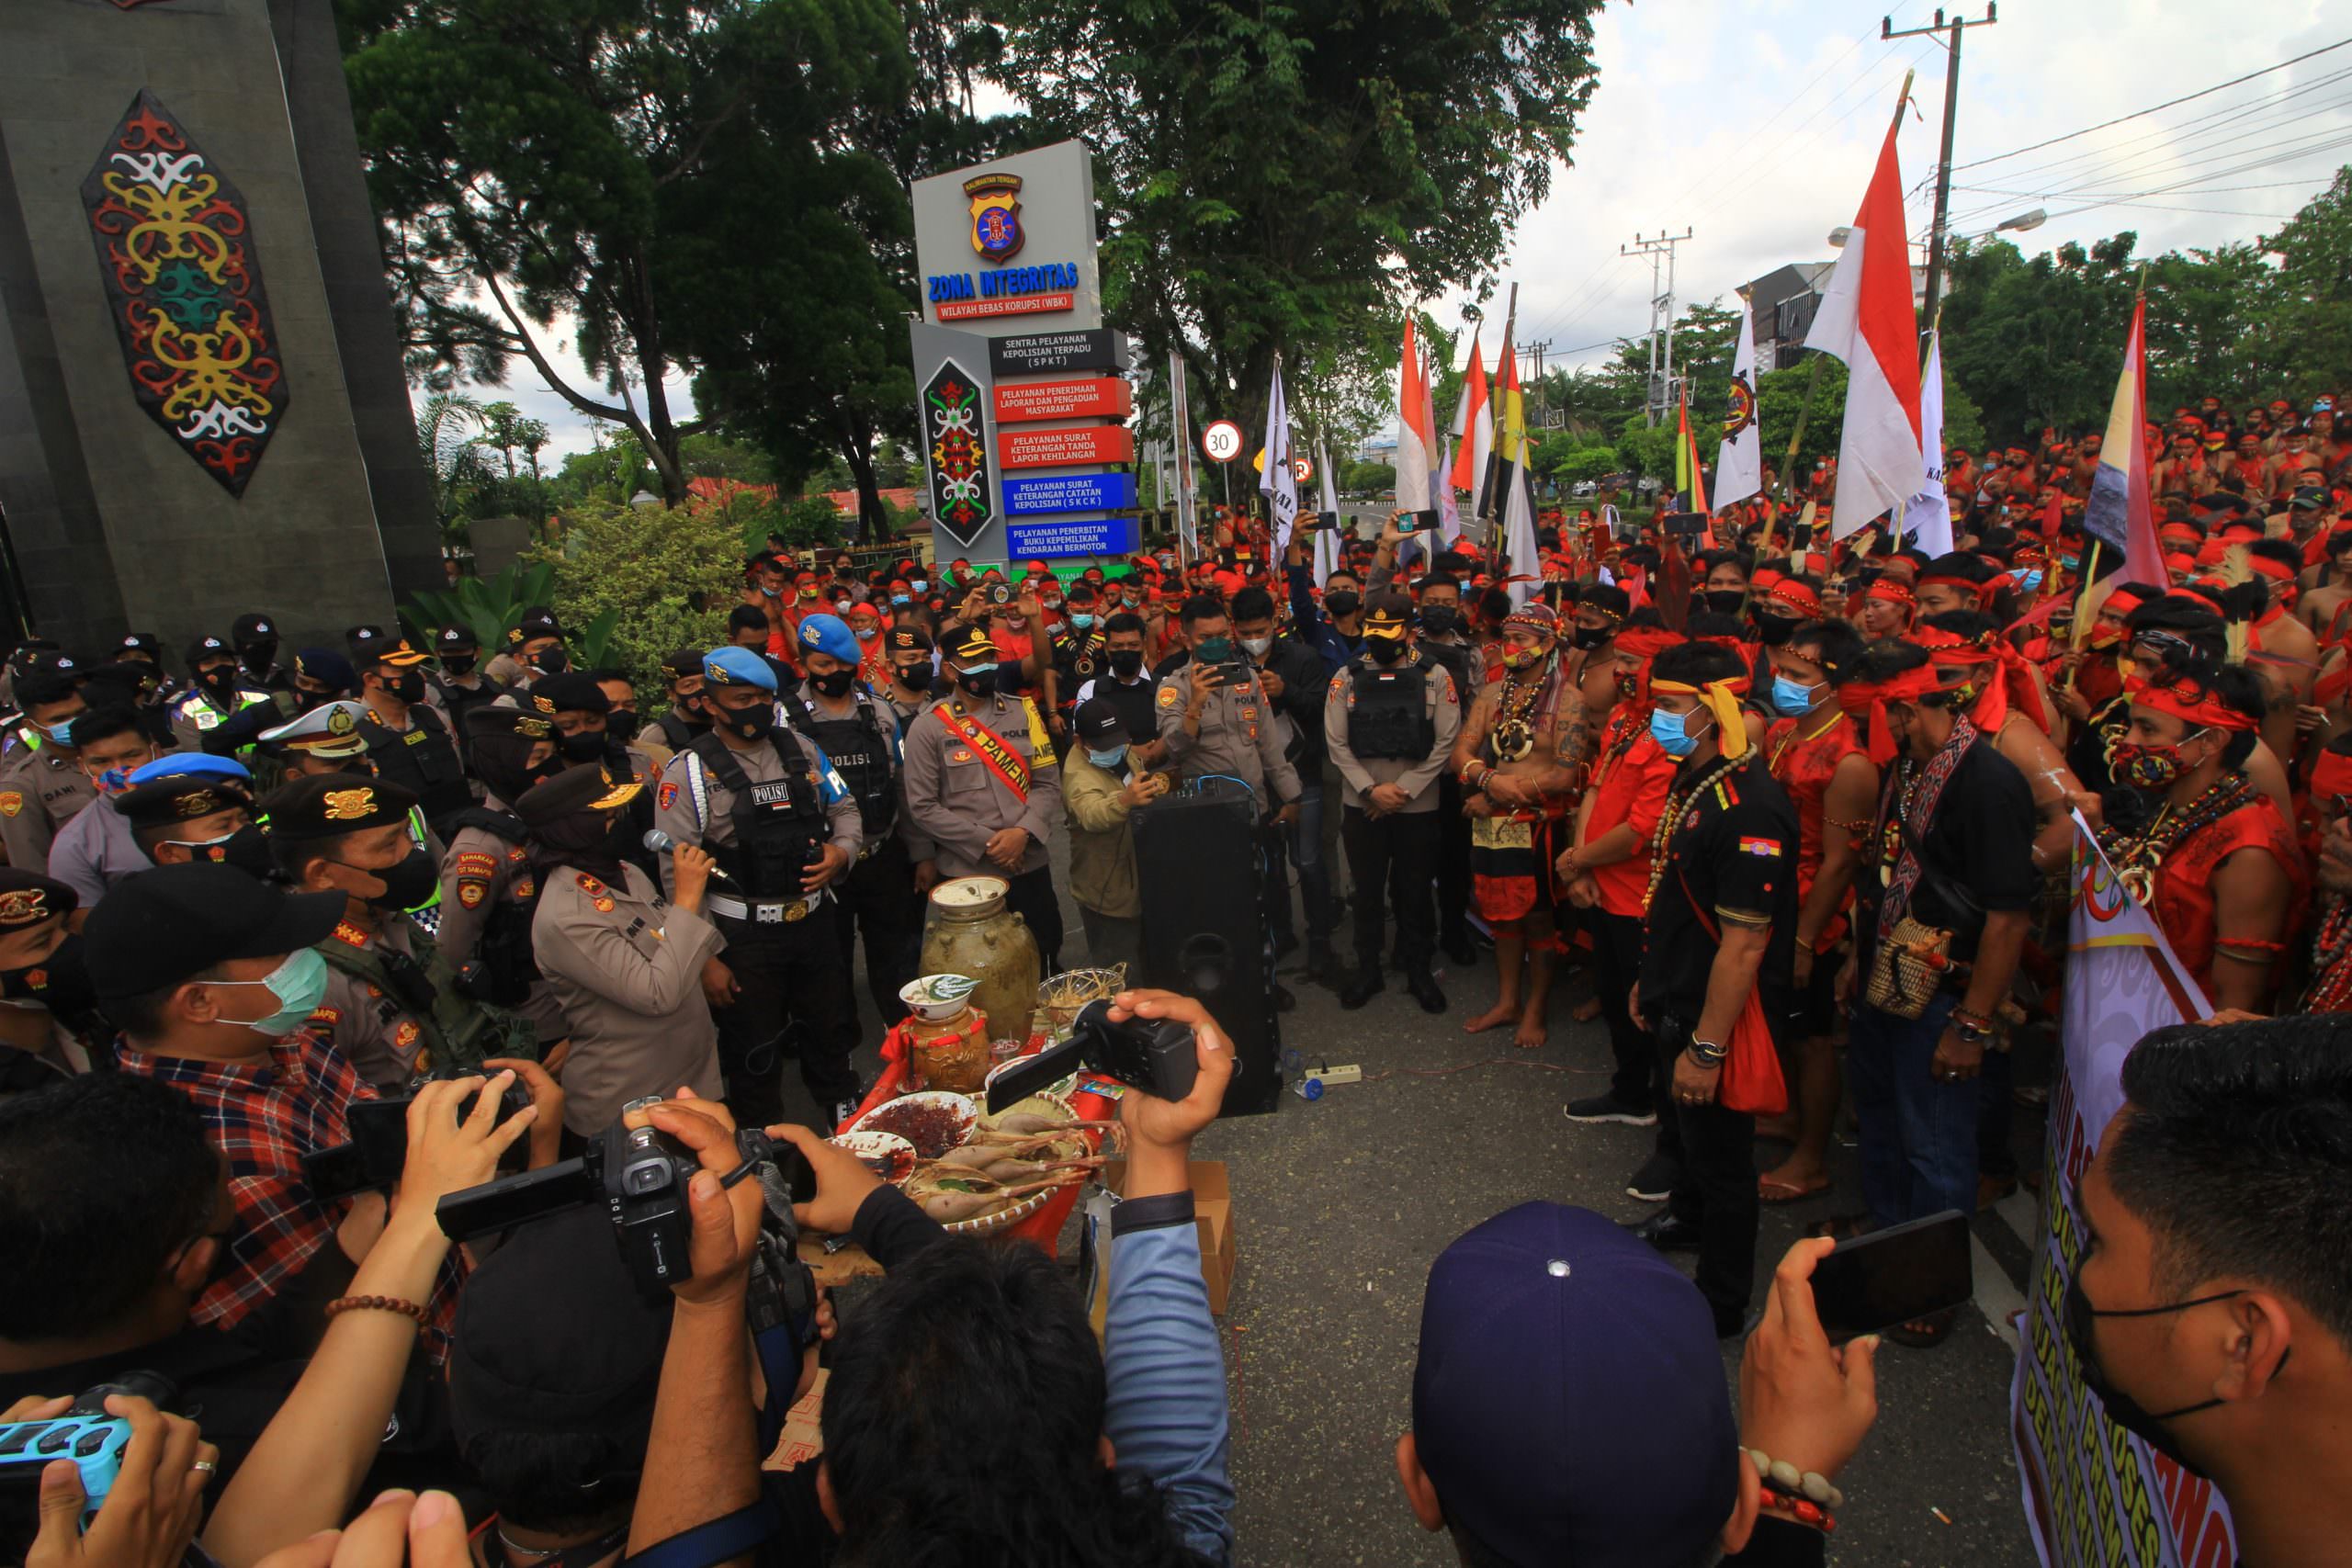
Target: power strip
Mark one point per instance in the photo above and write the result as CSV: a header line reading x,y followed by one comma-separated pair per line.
x,y
1349,1074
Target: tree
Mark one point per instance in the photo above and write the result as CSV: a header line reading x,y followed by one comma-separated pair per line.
x,y
547,158
447,432
1277,177
2307,303
671,574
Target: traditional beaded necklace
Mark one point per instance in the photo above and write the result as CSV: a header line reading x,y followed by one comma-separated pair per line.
x,y
1671,818
2137,856
2331,988
1513,736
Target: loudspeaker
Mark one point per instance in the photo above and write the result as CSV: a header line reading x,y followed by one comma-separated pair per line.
x,y
1205,927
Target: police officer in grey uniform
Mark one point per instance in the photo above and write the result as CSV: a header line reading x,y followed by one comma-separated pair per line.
x,y
1390,717
489,891
217,689
984,789
767,807
42,785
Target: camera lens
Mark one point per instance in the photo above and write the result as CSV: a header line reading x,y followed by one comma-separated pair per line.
x,y
652,1175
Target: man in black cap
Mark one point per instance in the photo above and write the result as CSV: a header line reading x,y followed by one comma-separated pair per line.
x,y
574,701
533,648
146,651
489,890
46,1006
217,689
913,681
1101,785
408,740
255,636
389,1004
42,785
459,682
674,731
185,817
212,978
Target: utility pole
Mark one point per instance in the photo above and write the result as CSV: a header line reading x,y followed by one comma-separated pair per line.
x,y
1955,27
1537,349
1658,396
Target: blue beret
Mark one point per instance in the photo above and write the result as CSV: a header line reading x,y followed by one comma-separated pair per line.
x,y
829,635
738,667
188,764
327,667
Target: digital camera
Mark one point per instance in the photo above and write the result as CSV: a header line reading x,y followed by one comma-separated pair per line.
x,y
1155,1054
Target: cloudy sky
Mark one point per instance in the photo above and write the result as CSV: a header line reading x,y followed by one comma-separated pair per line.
x,y
1755,127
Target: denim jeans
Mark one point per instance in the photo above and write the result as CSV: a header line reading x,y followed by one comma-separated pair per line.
x,y
1305,848
1918,1135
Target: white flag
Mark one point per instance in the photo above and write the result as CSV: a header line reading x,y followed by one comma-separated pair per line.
x,y
1449,508
1327,540
1279,484
1739,466
1518,534
1187,512
1928,512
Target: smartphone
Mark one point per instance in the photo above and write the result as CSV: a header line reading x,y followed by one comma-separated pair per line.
x,y
1324,520
1895,1275
1425,521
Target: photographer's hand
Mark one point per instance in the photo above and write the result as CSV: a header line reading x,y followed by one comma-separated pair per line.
x,y
546,1105
1160,1131
149,1518
725,1219
1802,1399
447,1155
399,1529
843,1182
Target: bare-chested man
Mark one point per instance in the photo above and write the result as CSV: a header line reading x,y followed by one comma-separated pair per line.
x,y
1521,758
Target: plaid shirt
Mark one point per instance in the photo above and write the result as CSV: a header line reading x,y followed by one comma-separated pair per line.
x,y
264,1120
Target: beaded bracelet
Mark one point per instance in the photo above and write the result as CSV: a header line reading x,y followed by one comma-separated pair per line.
x,y
1796,1486
1800,1509
376,1304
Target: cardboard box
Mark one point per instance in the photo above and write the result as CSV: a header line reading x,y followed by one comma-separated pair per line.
x,y
1212,1216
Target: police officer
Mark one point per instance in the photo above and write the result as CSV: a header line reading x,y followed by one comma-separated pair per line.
x,y
255,636
1390,718
674,730
533,648
860,737
624,963
327,739
181,807
489,890
392,1005
458,684
217,689
984,790
409,742
764,803
41,783
48,1010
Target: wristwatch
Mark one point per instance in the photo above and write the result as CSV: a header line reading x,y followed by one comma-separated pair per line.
x,y
1706,1053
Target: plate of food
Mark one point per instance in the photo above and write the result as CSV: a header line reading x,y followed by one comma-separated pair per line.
x,y
932,1120
886,1155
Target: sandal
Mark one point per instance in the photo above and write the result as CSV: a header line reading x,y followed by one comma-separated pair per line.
x,y
1922,1333
1768,1191
1840,1227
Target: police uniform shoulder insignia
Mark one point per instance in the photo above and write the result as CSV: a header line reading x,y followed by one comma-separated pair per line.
x,y
597,896
326,1016
525,887
473,862
1168,697
407,1035
961,754
11,802
473,891
517,856
588,883
349,934
664,798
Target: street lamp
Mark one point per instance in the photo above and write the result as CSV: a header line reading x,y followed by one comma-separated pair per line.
x,y
1839,236
645,500
2022,221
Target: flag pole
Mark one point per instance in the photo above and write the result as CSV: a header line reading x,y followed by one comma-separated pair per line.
x,y
1487,512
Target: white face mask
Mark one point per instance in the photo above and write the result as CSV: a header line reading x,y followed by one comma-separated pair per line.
x,y
1257,646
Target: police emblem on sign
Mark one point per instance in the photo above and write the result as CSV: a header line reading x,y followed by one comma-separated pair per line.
x,y
996,215
1741,413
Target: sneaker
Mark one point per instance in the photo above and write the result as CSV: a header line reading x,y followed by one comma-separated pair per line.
x,y
1654,1184
1609,1108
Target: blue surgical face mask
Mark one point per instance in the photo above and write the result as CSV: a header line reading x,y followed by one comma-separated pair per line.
x,y
1116,757
1671,734
299,984
918,584
1793,697
898,599
62,731
1081,620
2027,578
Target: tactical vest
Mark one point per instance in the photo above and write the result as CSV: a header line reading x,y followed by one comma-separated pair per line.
x,y
424,758
458,1032
676,733
1389,718
859,752
780,827
510,968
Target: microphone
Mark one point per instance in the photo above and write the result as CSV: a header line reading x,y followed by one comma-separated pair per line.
x,y
657,841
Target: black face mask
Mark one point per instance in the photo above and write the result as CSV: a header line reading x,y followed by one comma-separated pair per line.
x,y
459,663
60,982
587,746
1776,630
1342,603
833,683
1440,620
1385,649
258,656
747,724
1126,662
621,722
2080,1319
1588,637
913,677
408,686
550,661
980,685
1725,601
406,884
221,680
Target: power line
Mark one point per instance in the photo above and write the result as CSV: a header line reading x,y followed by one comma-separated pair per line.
x,y
2169,102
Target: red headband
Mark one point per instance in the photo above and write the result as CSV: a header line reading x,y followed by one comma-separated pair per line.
x,y
2276,570
1788,590
2332,774
1894,590
2205,710
2014,689
1870,697
1647,642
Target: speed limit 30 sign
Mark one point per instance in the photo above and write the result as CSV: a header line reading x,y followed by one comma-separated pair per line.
x,y
1222,441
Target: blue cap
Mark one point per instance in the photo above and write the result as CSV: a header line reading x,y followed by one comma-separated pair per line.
x,y
327,667
829,635
1569,1403
188,764
738,667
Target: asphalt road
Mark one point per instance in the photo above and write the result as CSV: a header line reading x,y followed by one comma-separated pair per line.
x,y
1341,1204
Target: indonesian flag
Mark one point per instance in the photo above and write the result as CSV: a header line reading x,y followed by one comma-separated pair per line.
x,y
1739,463
1473,430
1867,321
2118,510
1413,426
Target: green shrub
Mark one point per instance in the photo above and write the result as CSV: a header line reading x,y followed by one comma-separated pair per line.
x,y
665,577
